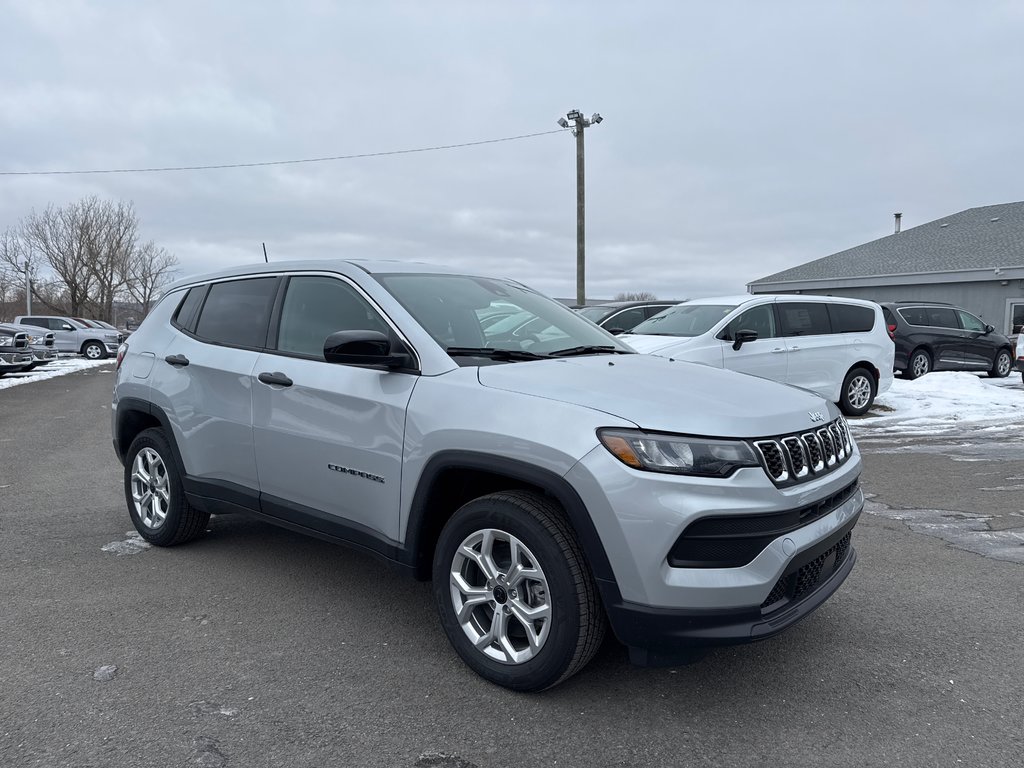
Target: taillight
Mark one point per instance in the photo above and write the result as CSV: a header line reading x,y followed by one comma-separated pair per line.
x,y
121,352
891,328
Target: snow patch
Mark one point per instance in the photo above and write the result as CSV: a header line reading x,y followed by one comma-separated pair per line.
x,y
60,367
130,546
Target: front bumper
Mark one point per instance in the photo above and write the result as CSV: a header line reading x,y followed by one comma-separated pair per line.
x,y
41,355
11,362
667,636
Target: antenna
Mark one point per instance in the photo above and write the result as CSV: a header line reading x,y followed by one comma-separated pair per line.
x,y
265,254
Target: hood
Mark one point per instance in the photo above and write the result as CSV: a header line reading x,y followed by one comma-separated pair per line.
x,y
653,344
658,394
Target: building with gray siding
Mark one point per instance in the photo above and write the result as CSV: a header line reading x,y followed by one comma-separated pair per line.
x,y
974,259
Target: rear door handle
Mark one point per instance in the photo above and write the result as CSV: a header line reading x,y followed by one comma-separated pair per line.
x,y
177,360
275,379
794,349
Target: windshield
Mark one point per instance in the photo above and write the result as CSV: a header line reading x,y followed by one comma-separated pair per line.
x,y
486,314
684,320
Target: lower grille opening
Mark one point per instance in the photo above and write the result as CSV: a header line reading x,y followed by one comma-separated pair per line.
x,y
797,584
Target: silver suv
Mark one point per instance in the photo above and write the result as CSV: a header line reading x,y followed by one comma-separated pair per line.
x,y
549,484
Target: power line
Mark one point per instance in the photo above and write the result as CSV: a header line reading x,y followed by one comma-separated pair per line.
x,y
278,162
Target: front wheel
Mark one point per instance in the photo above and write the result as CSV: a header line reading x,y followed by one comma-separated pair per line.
x,y
1002,365
94,350
154,493
859,388
514,592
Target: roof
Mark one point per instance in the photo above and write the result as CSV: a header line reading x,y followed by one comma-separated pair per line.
x,y
990,237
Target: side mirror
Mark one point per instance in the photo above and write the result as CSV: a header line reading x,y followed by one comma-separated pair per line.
x,y
989,328
742,337
368,349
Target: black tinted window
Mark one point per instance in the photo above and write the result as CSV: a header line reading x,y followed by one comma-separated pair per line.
x,y
316,307
803,319
625,319
915,315
760,319
942,317
40,322
185,316
238,312
850,318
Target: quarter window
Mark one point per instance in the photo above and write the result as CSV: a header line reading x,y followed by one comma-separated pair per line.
x,y
185,316
315,307
237,313
803,318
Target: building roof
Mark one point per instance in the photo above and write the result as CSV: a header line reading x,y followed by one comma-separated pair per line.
x,y
990,237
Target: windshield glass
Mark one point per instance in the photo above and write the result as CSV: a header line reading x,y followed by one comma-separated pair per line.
x,y
684,320
476,312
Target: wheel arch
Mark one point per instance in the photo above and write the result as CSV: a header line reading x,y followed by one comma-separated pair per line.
x,y
452,478
134,416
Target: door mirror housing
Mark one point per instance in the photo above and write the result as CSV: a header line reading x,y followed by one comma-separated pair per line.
x,y
742,337
367,349
989,328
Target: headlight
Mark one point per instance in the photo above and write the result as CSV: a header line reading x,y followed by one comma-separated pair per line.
x,y
6,341
677,454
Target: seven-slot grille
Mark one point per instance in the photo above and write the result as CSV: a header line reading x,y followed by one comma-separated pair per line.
x,y
790,459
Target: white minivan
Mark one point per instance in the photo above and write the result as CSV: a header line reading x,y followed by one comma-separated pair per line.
x,y
837,347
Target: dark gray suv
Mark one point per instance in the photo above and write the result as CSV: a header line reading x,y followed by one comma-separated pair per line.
x,y
931,336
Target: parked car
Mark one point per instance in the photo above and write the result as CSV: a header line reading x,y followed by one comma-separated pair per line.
x,y
40,346
836,347
363,403
622,316
931,336
14,354
1020,355
73,336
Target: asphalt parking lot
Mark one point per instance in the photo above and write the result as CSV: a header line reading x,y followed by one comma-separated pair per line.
x,y
258,647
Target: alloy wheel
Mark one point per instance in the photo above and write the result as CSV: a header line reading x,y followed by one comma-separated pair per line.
x,y
500,596
859,392
150,488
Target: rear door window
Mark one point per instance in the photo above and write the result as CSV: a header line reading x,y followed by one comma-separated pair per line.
x,y
237,313
942,317
851,318
798,318
915,315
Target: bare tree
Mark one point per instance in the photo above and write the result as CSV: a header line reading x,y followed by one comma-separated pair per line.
x,y
148,270
62,237
112,243
635,296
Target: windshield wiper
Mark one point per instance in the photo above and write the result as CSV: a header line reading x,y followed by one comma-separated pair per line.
x,y
592,349
496,354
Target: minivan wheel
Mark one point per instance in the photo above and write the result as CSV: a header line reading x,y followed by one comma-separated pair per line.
x,y
514,592
94,350
858,392
154,493
920,364
1002,365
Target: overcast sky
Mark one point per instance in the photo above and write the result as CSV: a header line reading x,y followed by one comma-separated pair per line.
x,y
740,138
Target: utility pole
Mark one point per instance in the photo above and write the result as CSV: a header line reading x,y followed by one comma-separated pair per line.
x,y
28,292
579,123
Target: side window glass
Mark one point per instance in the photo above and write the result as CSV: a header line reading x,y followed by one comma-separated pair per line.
x,y
970,322
237,313
760,319
915,315
803,318
185,315
62,325
942,317
1017,318
890,318
315,307
625,319
850,318
653,310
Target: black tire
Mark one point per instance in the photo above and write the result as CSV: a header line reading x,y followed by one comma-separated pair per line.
x,y
858,393
575,623
918,365
30,367
94,350
1002,365
167,518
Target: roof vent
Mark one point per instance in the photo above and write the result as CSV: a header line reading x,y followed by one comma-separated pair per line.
x,y
944,225
994,218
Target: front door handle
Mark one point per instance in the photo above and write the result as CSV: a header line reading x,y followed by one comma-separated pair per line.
x,y
777,350
276,378
176,360
794,349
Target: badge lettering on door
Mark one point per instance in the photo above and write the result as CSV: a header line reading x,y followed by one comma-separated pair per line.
x,y
356,472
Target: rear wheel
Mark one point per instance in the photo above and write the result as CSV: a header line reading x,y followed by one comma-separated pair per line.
x,y
859,388
920,363
514,592
154,493
1002,365
94,350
